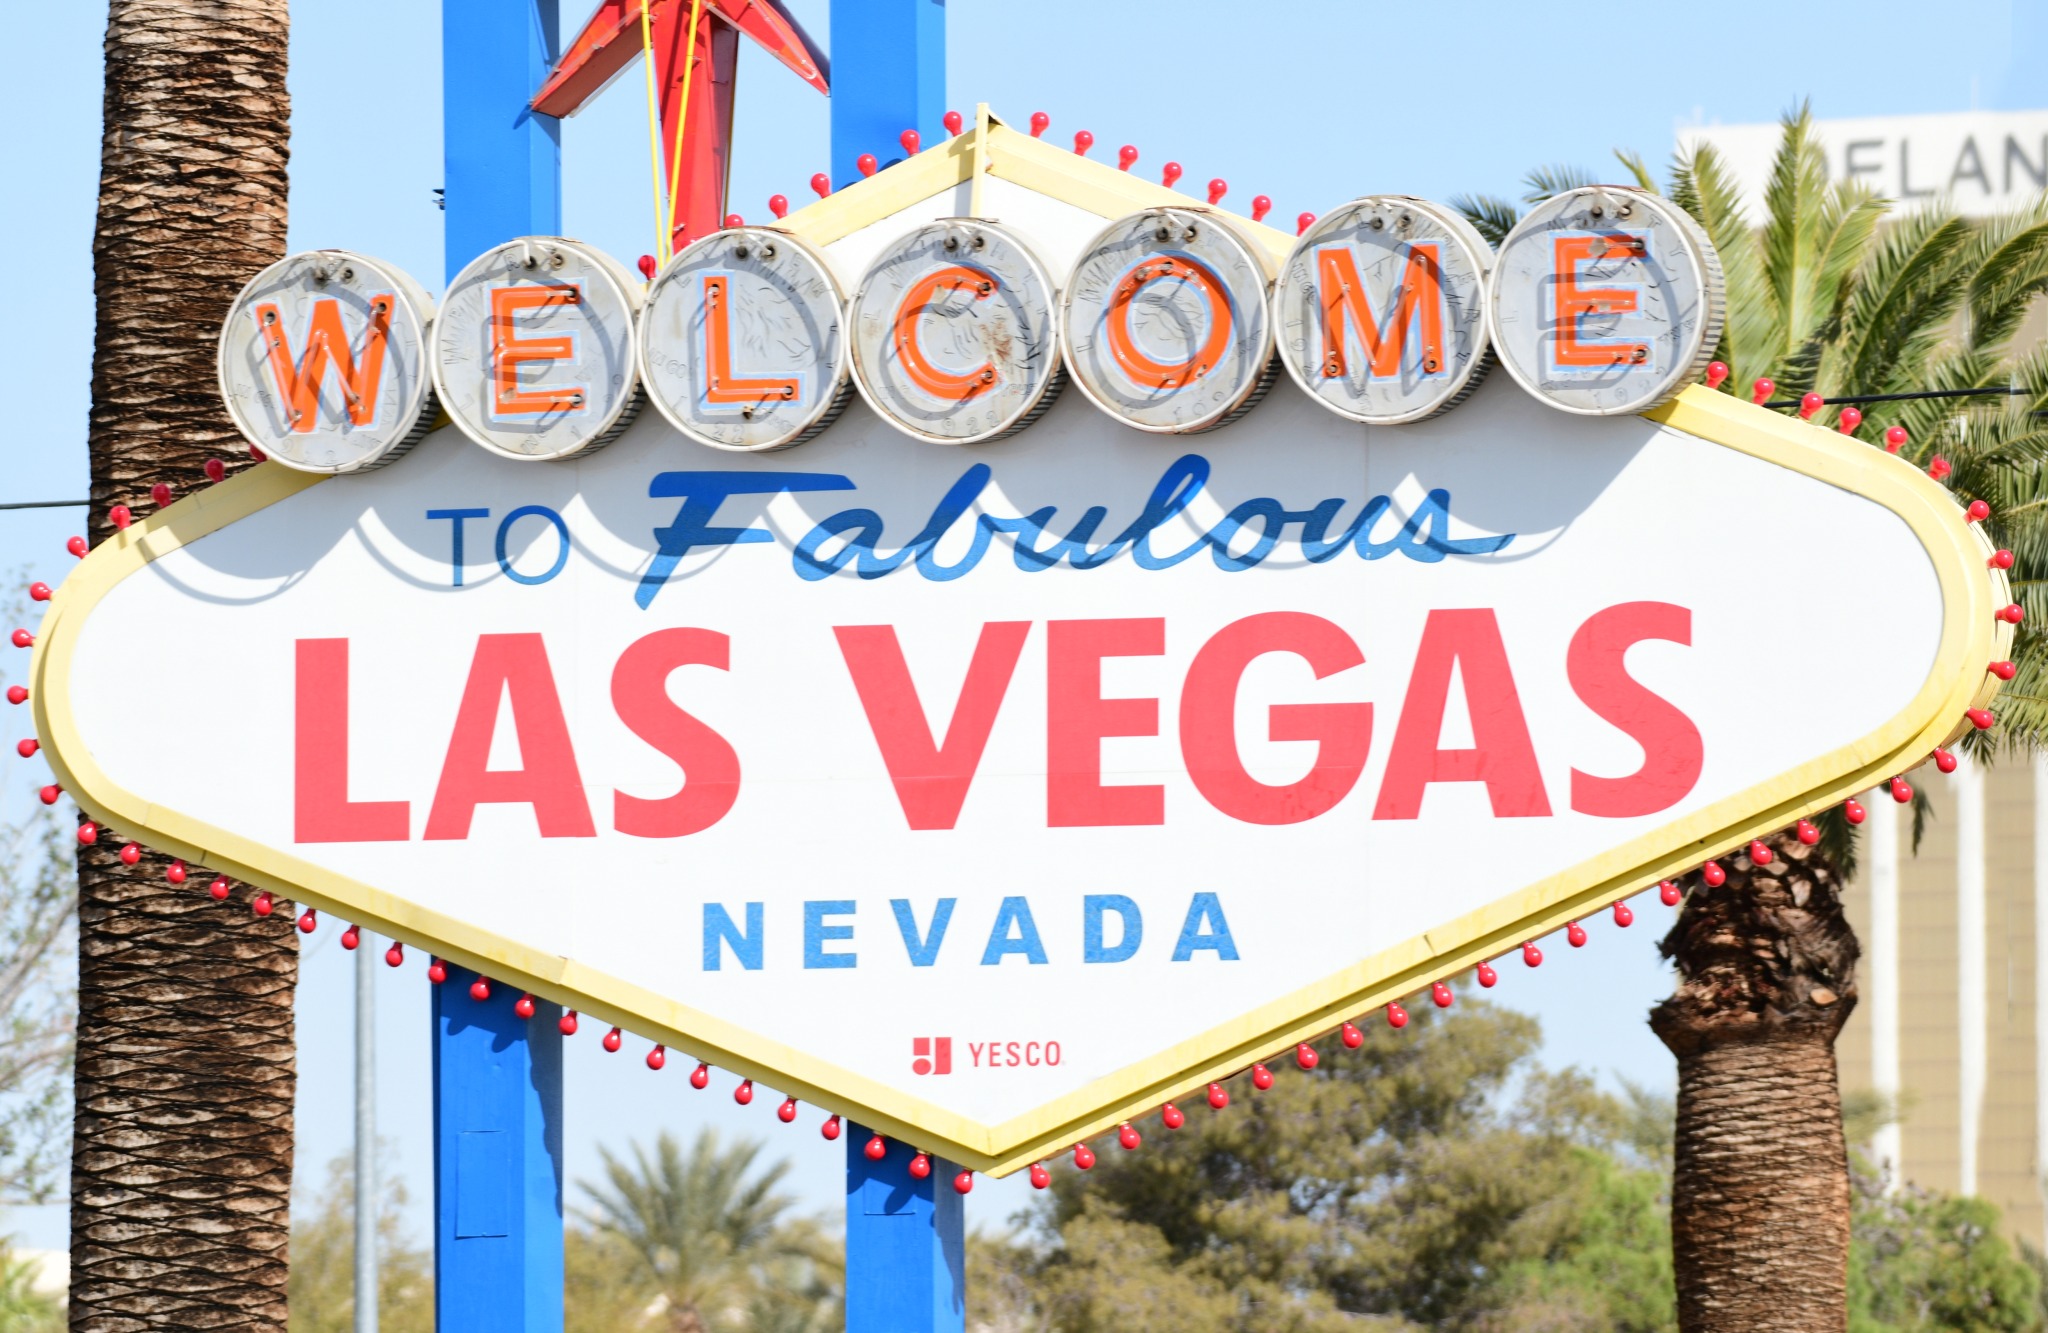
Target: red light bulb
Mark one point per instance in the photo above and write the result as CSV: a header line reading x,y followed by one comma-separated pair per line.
x,y
1084,1156
920,1166
877,1148
1218,1097
1944,761
613,1040
219,888
76,546
1938,468
1810,403
1717,374
1040,1177
1303,221
744,1093
1217,189
1808,834
26,749
1397,1017
1902,790
830,1129
1040,123
50,794
778,204
216,469
953,122
1351,1036
88,833
1305,1056
1853,811
308,922
1126,157
1531,955
1129,1138
480,989
821,184
1172,1116
1488,978
1976,513
24,639
963,1183
523,1006
264,905
1262,1077
657,1057
1713,874
176,873
1262,204
1576,933
734,220
1761,854
1670,894
1624,915
437,971
256,453
2002,670
39,591
866,163
160,495
1440,995
787,1111
1850,419
2014,614
1083,141
647,267
1894,439
700,1077
1980,719
1169,173
395,955
1762,390
911,141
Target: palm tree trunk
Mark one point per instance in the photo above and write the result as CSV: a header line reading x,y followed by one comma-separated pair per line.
x,y
1760,1187
182,1147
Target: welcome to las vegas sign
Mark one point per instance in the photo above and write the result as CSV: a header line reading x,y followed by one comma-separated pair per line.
x,y
1007,646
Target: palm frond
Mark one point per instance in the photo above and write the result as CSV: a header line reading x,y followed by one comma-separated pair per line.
x,y
2010,263
1493,216
1637,168
1794,198
1702,185
1555,179
1905,292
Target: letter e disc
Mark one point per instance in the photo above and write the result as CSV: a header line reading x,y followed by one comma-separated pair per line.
x,y
1164,322
1605,300
953,334
323,362
1381,310
533,352
741,345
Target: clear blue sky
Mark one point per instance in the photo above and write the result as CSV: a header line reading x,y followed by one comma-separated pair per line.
x,y
1311,103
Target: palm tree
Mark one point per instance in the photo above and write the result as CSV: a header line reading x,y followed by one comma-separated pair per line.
x,y
1827,295
711,1240
181,1164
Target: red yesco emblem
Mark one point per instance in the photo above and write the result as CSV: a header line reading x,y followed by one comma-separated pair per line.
x,y
932,1055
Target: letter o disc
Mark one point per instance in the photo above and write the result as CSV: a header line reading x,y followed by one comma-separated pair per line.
x,y
1164,322
533,352
741,342
1606,300
954,338
323,362
1381,310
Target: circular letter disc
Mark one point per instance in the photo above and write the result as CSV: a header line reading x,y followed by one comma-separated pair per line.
x,y
1164,322
323,362
1606,300
533,353
953,334
741,346
1381,310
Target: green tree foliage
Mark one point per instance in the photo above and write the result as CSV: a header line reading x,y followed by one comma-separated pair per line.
x,y
23,1309
703,1241
323,1297
1432,1178
1920,1262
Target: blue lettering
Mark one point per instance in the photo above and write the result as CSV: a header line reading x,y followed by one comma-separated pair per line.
x,y
504,530
1013,916
702,493
719,928
923,952
455,518
817,933
1205,928
1131,928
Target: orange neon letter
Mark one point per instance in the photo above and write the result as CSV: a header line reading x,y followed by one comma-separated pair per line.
x,y
942,383
1142,369
722,386
298,383
1574,301
1345,304
509,351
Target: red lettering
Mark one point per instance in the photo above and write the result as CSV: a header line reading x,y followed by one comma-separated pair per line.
x,y
711,771
1078,718
1208,720
974,1053
321,809
1052,1052
931,779
1016,1054
1502,757
1672,751
514,667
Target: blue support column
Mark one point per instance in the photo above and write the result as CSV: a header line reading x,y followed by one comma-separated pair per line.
x,y
497,1162
888,76
906,1243
502,163
497,1077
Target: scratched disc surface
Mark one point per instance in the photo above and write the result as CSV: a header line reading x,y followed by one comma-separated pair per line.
x,y
1381,310
1605,300
954,337
741,343
1164,322
533,351
323,362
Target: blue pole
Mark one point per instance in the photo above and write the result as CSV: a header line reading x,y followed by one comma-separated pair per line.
x,y
906,1244
888,76
497,1077
497,1162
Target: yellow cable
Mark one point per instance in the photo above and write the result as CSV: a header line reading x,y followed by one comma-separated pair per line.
x,y
653,128
683,116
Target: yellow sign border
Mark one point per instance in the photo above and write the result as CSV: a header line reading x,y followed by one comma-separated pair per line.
x,y
1971,638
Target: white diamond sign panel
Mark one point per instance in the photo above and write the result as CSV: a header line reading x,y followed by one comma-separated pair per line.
x,y
999,793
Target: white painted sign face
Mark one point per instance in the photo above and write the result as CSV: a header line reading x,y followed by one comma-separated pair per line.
x,y
534,354
1381,310
1605,300
741,346
1977,162
323,362
953,335
1164,322
995,796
